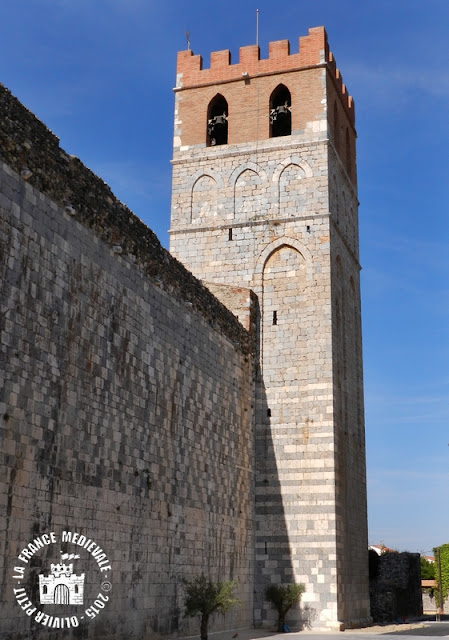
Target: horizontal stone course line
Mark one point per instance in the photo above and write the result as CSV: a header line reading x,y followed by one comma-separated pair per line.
x,y
248,224
250,149
180,88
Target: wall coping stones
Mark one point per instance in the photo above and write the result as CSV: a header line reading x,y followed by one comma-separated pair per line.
x,y
33,151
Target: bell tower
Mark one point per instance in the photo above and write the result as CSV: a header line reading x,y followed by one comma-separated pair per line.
x,y
264,197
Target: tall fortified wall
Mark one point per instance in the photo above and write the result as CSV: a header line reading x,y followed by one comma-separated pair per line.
x,y
125,410
265,197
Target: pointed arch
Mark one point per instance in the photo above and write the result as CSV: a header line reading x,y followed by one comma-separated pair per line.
x,y
249,183
292,195
247,190
242,167
271,248
293,159
217,121
283,306
216,177
280,112
204,198
294,168
292,192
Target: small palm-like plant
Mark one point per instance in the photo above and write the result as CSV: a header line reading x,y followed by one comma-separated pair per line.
x,y
282,598
204,597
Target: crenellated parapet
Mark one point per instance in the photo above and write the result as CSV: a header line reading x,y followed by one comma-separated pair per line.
x,y
346,99
313,51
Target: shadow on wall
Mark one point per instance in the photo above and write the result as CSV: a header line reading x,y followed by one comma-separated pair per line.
x,y
273,560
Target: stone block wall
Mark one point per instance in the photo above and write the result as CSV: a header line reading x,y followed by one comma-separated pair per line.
x,y
283,256
125,408
348,414
280,246
242,302
396,590
279,216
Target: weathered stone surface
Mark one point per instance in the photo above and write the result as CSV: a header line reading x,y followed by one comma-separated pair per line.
x,y
396,590
125,399
136,409
279,216
25,141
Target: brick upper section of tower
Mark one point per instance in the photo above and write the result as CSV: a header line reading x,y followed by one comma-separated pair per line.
x,y
313,52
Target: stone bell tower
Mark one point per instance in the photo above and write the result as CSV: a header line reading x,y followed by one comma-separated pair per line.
x,y
265,198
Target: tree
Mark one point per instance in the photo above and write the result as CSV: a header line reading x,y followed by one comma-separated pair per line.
x,y
427,569
444,559
204,597
282,598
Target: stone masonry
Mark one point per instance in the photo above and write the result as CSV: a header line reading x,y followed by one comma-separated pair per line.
x,y
278,216
137,411
395,590
126,405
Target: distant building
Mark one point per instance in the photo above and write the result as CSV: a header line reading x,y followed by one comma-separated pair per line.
x,y
381,548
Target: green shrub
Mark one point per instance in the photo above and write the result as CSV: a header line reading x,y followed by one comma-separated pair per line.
x,y
204,597
427,569
444,559
282,598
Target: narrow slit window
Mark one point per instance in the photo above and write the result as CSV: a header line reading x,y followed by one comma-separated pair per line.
x,y
269,413
275,317
217,121
336,126
230,234
348,153
280,112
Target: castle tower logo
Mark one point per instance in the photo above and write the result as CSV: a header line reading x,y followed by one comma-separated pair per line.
x,y
62,586
66,598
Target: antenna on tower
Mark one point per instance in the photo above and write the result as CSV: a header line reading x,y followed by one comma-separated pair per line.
x,y
188,40
257,27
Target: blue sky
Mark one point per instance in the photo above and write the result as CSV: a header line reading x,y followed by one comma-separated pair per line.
x,y
100,74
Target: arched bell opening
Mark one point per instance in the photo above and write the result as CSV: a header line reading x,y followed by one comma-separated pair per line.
x,y
280,112
217,121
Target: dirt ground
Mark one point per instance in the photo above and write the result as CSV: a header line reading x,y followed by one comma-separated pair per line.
x,y
388,628
400,627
